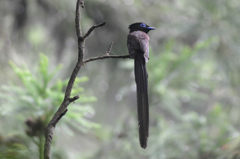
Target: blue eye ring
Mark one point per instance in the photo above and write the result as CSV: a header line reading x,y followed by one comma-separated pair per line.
x,y
143,25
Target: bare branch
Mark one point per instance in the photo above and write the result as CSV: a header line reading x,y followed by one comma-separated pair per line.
x,y
106,57
60,116
51,126
67,100
78,17
92,28
109,49
73,99
62,110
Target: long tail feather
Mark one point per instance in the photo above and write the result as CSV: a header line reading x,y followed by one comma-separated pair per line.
x,y
141,78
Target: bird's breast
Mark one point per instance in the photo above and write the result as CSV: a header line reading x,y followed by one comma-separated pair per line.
x,y
139,35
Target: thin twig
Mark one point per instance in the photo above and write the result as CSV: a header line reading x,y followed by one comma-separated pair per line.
x,y
109,49
92,28
73,99
106,57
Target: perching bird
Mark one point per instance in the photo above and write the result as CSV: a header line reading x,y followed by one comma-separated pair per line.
x,y
138,49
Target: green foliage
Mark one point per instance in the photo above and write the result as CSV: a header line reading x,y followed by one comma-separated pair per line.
x,y
194,136
177,75
39,97
12,149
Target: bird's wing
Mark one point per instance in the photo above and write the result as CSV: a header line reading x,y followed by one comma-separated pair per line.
x,y
138,43
144,47
133,45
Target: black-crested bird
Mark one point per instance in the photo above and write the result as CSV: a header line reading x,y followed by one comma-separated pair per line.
x,y
137,43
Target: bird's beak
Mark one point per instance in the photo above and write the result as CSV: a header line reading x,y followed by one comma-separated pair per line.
x,y
151,28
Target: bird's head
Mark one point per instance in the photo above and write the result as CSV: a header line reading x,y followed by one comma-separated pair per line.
x,y
140,26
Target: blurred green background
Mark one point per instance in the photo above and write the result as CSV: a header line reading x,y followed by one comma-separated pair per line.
x,y
194,76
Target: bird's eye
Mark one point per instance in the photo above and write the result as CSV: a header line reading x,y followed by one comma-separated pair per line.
x,y
143,25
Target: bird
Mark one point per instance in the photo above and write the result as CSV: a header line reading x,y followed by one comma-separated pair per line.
x,y
138,48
